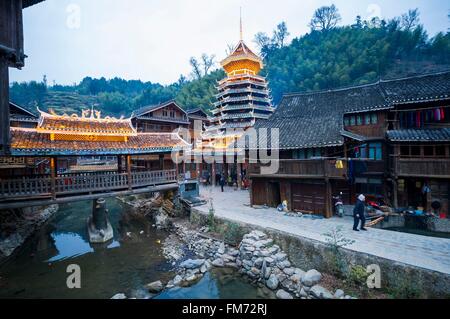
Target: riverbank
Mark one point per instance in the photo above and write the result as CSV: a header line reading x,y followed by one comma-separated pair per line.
x,y
19,225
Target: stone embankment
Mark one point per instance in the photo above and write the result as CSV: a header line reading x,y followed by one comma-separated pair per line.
x,y
256,258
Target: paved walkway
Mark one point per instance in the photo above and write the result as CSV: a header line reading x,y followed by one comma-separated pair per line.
x,y
427,252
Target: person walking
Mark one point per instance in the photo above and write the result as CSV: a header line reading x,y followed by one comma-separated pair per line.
x,y
222,182
358,213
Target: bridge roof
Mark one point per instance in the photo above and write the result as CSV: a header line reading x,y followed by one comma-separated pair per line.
x,y
30,142
84,125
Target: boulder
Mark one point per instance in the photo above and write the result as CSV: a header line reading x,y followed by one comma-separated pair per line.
x,y
177,280
339,294
272,282
280,257
311,277
221,249
320,292
218,262
303,293
288,271
119,296
282,294
155,286
192,263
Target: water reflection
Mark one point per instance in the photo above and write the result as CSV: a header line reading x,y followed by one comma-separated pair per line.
x,y
125,264
132,259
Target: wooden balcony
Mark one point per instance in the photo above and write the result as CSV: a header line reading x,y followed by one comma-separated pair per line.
x,y
81,183
421,167
315,168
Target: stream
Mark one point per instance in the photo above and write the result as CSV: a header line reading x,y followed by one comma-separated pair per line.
x,y
132,259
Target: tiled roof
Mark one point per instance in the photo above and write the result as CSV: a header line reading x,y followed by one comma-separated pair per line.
x,y
149,108
315,119
29,142
84,126
17,109
423,88
420,135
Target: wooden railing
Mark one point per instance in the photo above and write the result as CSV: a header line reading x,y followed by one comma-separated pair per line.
x,y
70,184
315,168
421,167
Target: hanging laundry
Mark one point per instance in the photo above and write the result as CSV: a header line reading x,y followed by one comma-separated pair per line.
x,y
442,114
437,115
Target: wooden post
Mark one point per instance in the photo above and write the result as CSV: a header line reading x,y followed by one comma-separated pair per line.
x,y
119,164
130,186
197,170
53,176
328,203
4,107
395,191
213,173
239,176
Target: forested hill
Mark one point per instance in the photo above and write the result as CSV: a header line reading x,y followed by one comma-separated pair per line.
x,y
329,56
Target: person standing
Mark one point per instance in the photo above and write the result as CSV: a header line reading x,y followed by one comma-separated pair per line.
x,y
359,213
222,182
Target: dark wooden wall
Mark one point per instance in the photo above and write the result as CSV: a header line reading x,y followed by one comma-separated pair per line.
x,y
11,54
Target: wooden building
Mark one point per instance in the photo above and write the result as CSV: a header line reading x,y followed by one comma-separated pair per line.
x,y
21,117
388,139
12,54
165,117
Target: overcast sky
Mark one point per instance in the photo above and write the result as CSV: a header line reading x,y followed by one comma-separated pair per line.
x,y
152,40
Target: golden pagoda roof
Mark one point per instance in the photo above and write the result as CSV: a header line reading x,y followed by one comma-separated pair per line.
x,y
89,123
242,53
30,142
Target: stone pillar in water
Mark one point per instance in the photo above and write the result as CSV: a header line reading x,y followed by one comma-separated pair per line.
x,y
99,227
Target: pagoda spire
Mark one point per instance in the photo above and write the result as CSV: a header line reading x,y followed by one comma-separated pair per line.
x,y
240,24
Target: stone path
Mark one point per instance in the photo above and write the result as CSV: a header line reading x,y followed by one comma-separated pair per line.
x,y
427,252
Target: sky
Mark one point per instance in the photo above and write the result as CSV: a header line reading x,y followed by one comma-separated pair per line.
x,y
152,40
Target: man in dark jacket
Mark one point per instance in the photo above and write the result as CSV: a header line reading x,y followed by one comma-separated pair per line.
x,y
358,213
222,182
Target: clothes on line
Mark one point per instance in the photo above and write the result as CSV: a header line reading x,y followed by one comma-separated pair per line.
x,y
417,119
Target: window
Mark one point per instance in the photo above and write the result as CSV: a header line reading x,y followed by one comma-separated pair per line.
x,y
367,119
374,118
299,154
164,113
346,121
440,150
352,120
359,120
317,152
415,151
172,114
372,151
428,150
404,150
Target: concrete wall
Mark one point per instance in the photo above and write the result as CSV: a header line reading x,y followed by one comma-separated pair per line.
x,y
307,254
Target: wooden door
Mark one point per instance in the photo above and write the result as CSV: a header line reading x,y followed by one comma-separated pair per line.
x,y
309,198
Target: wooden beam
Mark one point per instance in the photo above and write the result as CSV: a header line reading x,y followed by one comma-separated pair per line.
x,y
53,176
4,107
328,203
239,176
213,174
130,184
